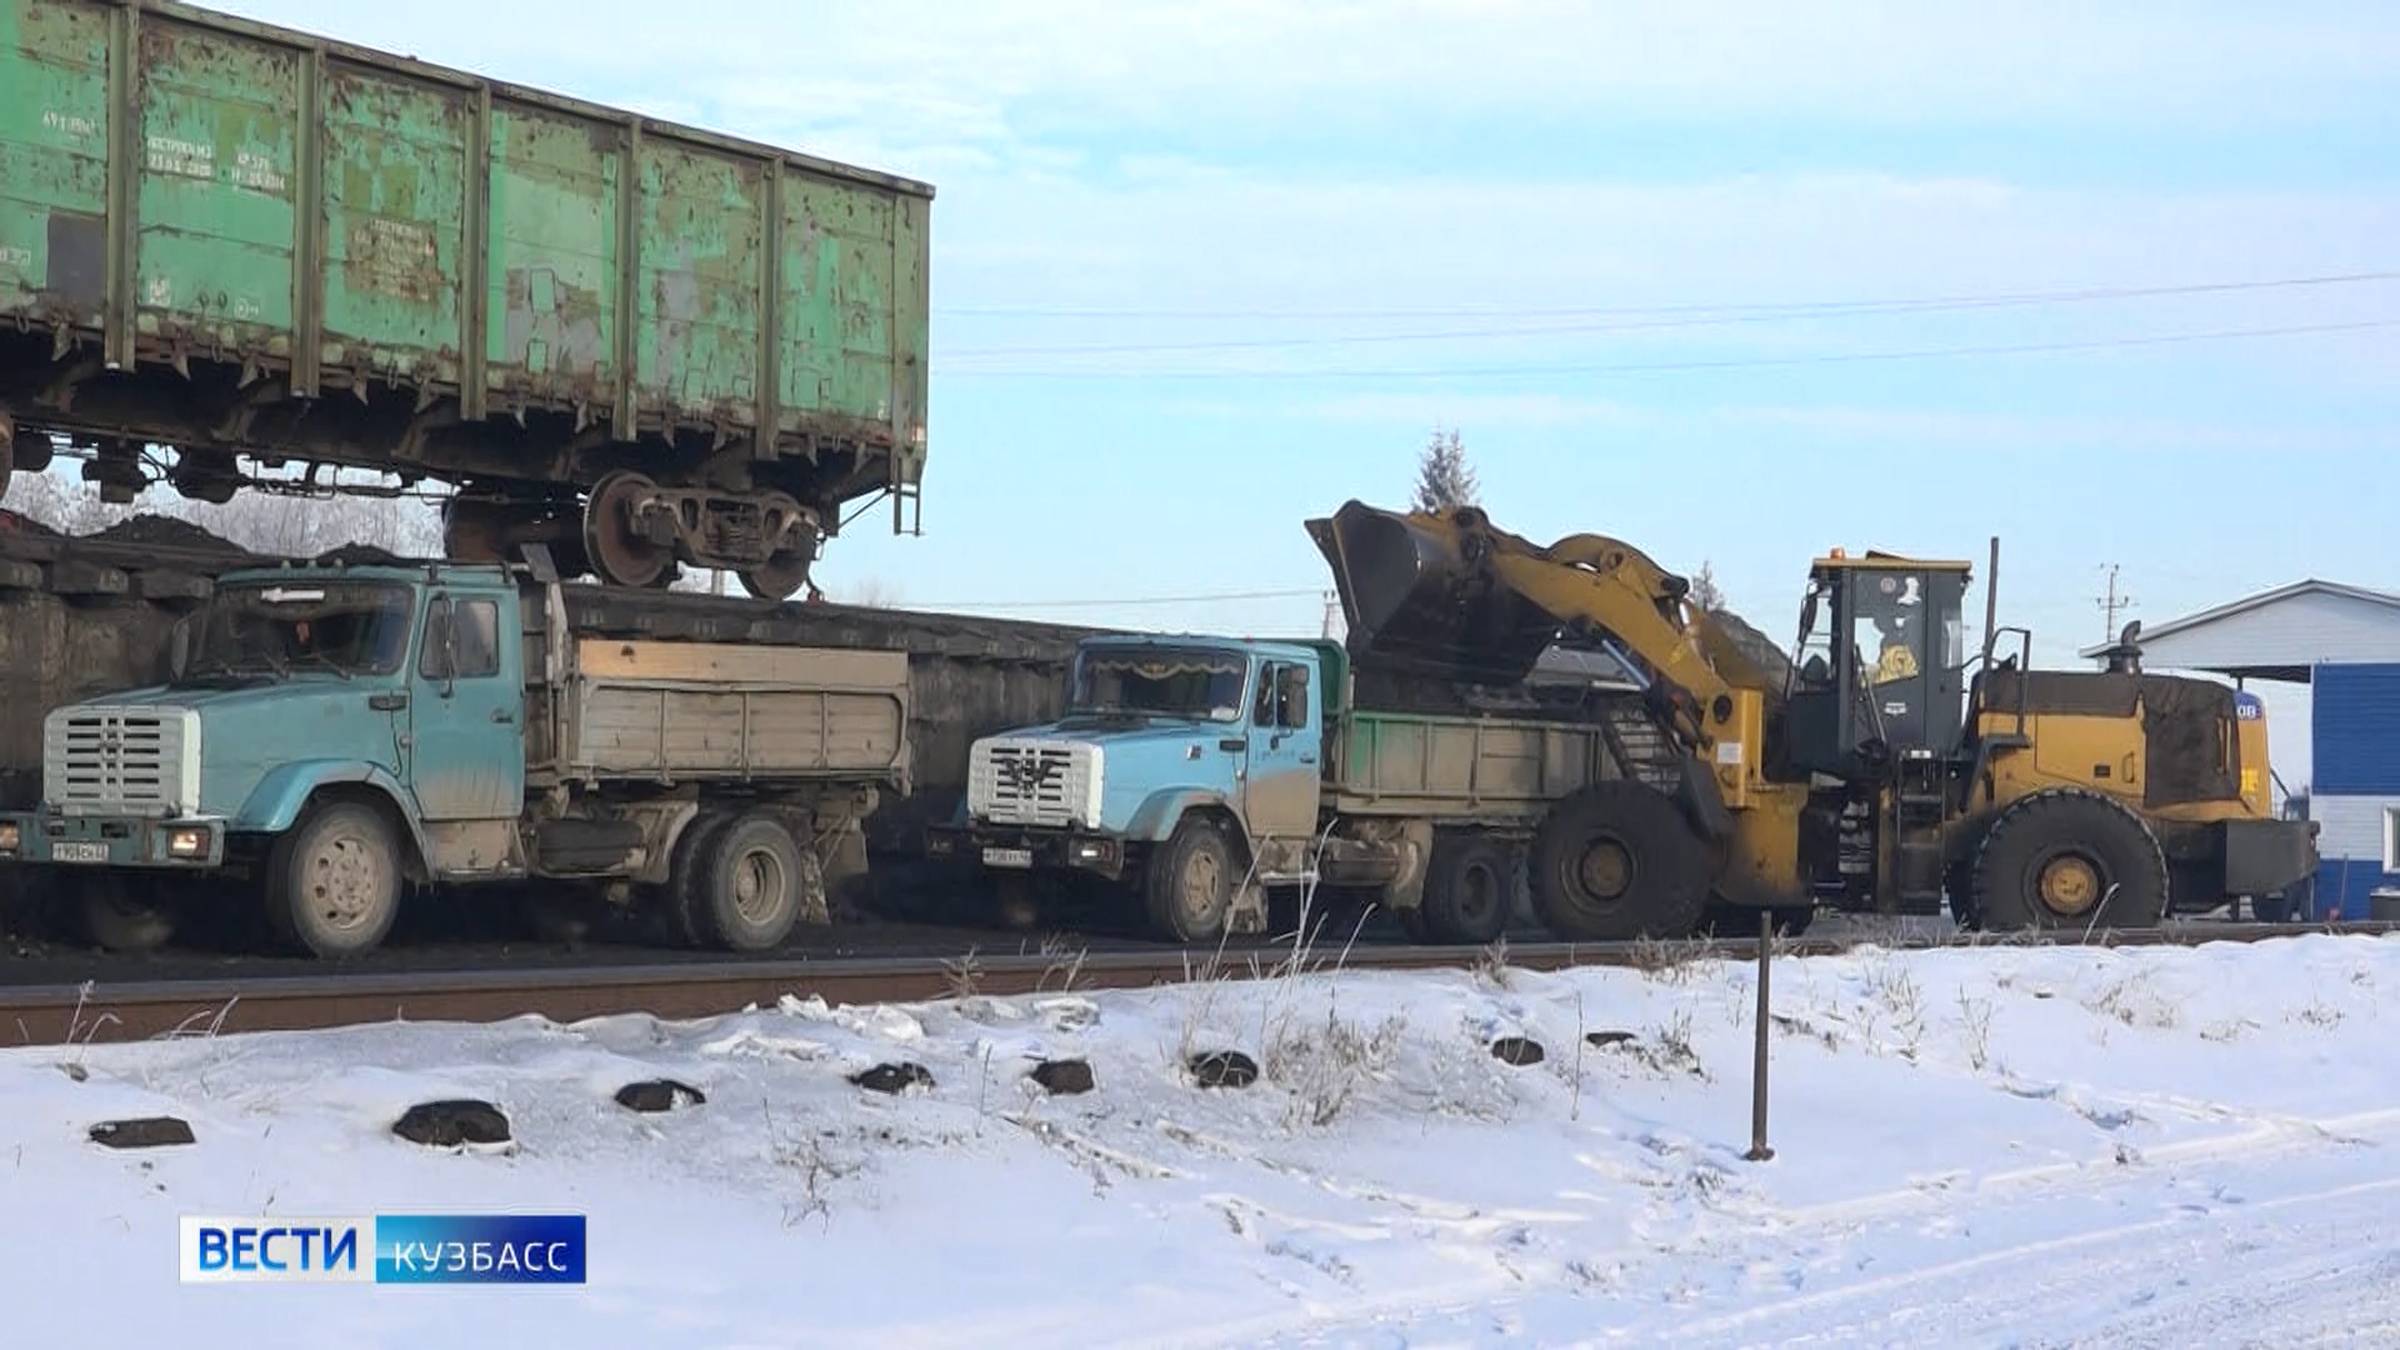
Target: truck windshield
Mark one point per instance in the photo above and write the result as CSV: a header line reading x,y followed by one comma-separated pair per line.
x,y
347,628
1161,681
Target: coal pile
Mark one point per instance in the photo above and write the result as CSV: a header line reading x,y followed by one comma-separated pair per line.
x,y
153,531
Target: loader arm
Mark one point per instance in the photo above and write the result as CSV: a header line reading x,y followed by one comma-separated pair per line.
x,y
1446,593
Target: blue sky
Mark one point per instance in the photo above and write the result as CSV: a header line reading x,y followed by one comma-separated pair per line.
x,y
1225,173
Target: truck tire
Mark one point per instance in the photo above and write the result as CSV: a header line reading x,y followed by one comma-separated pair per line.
x,y
2271,908
1188,884
1617,861
683,897
123,915
756,884
1467,888
2069,859
333,881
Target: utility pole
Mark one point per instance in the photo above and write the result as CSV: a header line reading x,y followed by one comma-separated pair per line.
x,y
1332,599
2110,605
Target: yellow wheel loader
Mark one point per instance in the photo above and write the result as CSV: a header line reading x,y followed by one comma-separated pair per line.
x,y
1884,768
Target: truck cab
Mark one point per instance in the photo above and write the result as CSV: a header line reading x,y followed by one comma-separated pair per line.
x,y
329,727
1189,769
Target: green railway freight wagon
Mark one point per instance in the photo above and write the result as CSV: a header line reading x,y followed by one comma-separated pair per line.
x,y
228,249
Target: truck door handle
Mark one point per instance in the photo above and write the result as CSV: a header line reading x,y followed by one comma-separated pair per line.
x,y
1306,758
1233,746
503,716
393,701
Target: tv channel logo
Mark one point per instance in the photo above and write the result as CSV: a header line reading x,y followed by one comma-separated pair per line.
x,y
385,1249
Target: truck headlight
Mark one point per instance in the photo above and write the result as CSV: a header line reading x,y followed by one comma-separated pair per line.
x,y
187,843
9,837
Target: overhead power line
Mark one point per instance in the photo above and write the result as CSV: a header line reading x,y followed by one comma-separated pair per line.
x,y
1774,308
1668,367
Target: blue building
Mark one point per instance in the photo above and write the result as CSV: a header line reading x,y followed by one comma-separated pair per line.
x,y
2331,654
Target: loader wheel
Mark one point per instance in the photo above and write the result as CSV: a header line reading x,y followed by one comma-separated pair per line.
x,y
755,884
1617,861
1467,888
333,881
123,915
2069,859
1189,883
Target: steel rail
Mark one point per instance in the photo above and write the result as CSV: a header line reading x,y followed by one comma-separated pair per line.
x,y
139,1010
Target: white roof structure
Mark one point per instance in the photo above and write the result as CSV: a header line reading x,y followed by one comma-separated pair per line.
x,y
2278,634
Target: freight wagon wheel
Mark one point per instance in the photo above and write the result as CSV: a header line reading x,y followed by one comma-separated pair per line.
x,y
1467,888
1188,885
333,881
784,571
2069,859
620,550
758,881
123,915
1617,861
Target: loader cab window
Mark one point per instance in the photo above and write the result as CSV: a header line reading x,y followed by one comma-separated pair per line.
x,y
1879,666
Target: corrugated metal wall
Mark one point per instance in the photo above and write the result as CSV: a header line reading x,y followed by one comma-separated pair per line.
x,y
2356,734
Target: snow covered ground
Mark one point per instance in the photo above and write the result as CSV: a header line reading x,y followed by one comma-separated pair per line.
x,y
2006,1146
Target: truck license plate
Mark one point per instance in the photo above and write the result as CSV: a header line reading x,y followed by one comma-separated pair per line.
x,y
79,853
1008,857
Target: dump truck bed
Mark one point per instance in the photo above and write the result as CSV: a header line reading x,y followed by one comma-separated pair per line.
x,y
1496,770
673,712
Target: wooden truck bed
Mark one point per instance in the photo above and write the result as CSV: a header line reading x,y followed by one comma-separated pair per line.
x,y
675,711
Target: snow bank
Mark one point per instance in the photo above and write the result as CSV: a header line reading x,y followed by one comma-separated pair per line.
x,y
1996,1144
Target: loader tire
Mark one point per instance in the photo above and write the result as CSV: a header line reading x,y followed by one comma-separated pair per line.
x,y
1467,889
1618,861
2069,859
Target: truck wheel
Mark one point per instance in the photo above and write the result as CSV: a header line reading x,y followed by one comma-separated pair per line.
x,y
2067,858
333,881
1188,885
123,915
684,896
1617,861
2271,908
756,884
1467,888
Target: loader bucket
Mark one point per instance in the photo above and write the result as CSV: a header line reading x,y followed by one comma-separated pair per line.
x,y
1420,599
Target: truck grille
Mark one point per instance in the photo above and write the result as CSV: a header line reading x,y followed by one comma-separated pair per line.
x,y
133,761
1019,782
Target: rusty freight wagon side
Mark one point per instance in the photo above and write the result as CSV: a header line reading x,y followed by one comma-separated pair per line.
x,y
643,343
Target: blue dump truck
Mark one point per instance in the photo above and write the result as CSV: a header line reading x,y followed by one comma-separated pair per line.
x,y
1193,773
335,737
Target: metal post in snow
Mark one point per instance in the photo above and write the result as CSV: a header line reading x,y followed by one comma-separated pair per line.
x,y
1759,1152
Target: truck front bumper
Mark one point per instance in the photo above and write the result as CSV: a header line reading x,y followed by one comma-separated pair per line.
x,y
111,841
1017,848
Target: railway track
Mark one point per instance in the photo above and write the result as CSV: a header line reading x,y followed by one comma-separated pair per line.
x,y
137,1010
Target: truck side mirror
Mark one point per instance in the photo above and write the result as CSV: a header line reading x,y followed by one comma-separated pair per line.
x,y
179,649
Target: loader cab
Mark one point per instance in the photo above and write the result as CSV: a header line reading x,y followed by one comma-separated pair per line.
x,y
1880,667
